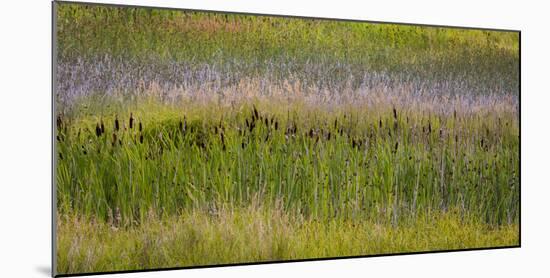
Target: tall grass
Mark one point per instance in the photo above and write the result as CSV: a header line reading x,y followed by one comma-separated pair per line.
x,y
352,162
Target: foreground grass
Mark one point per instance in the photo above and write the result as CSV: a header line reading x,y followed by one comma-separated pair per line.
x,y
255,235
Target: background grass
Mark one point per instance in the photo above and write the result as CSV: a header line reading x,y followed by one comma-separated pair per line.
x,y
168,45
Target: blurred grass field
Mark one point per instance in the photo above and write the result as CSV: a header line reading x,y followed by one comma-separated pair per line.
x,y
188,138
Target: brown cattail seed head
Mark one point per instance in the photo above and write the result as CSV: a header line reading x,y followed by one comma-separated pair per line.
x,y
131,121
59,121
97,130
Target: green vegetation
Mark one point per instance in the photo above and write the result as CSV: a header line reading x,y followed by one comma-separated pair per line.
x,y
313,51
351,163
189,138
256,234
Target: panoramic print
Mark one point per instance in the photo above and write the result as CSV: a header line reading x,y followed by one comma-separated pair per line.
x,y
188,138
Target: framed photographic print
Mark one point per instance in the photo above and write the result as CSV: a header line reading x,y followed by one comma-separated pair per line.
x,y
188,138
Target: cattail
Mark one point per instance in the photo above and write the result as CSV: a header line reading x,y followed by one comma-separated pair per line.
x,y
180,126
328,136
429,127
117,126
97,130
140,127
266,121
276,125
131,121
141,138
59,121
396,146
335,123
395,113
380,123
102,127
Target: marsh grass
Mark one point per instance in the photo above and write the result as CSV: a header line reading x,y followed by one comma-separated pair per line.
x,y
383,162
105,49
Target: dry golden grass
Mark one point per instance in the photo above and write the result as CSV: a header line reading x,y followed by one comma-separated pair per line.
x,y
255,235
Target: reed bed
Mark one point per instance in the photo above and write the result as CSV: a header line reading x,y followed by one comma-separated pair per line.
x,y
351,161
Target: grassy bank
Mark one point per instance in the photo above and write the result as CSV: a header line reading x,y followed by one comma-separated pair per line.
x,y
254,235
